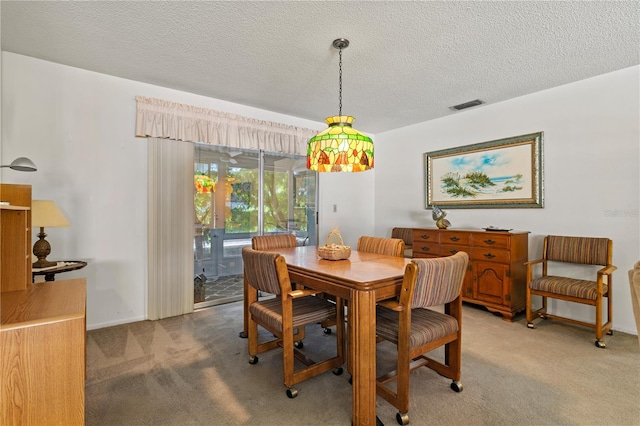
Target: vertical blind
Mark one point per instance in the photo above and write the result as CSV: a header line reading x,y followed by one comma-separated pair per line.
x,y
170,187
170,228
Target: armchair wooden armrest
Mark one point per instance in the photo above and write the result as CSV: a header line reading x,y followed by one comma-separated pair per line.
x,y
607,270
294,294
393,305
533,262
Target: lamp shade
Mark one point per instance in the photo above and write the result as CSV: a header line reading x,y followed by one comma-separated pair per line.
x,y
22,164
340,148
45,213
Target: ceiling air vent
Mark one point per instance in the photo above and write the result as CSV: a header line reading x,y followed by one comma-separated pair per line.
x,y
467,105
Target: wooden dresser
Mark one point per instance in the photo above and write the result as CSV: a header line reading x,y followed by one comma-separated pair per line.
x,y
496,276
42,354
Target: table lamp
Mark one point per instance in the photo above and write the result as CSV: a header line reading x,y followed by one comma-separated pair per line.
x,y
45,213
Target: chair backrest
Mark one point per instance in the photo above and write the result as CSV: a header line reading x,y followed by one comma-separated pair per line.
x,y
270,242
386,246
260,270
439,279
584,250
405,234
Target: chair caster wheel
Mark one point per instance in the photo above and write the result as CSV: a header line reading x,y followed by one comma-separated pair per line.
x,y
530,325
338,371
600,344
402,419
327,330
242,335
298,344
253,360
292,393
456,386
610,332
350,380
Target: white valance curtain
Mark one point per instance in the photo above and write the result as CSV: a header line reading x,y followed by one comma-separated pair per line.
x,y
170,120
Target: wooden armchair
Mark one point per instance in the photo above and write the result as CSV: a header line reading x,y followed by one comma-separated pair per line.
x,y
574,251
265,242
416,330
406,235
282,315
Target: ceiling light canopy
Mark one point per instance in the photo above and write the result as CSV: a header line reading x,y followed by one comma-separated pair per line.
x,y
340,148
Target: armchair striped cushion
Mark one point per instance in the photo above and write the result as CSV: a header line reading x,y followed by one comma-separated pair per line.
x,y
426,326
306,310
271,242
432,273
260,271
582,289
386,246
405,234
588,251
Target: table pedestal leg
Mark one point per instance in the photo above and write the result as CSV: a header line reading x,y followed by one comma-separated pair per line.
x,y
362,339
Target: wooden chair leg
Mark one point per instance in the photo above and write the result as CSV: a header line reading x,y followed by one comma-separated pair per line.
x,y
529,310
245,311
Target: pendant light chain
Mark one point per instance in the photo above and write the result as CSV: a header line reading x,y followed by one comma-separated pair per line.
x,y
340,94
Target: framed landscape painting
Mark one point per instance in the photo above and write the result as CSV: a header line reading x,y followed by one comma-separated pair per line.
x,y
504,173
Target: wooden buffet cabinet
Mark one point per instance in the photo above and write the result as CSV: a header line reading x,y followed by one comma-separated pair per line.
x,y
42,329
496,276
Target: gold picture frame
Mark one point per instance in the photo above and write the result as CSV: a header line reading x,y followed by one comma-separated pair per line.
x,y
503,173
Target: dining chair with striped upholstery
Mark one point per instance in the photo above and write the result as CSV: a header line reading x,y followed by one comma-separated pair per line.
x,y
284,315
379,245
573,258
415,328
406,235
265,242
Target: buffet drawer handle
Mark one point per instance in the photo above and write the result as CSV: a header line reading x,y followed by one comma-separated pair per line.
x,y
489,241
454,251
425,237
455,239
489,256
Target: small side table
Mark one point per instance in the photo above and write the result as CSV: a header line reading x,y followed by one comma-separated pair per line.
x,y
64,266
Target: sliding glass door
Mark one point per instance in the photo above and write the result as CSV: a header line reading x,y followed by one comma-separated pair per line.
x,y
239,194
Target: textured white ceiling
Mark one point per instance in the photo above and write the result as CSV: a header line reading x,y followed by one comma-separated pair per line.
x,y
408,61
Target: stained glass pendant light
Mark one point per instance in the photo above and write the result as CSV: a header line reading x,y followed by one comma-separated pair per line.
x,y
203,184
340,148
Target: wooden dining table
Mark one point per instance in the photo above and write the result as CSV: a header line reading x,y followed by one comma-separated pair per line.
x,y
362,279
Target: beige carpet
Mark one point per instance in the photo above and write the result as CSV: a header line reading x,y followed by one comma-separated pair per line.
x,y
193,370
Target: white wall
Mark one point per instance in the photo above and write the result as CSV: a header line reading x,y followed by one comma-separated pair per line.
x,y
591,171
78,128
